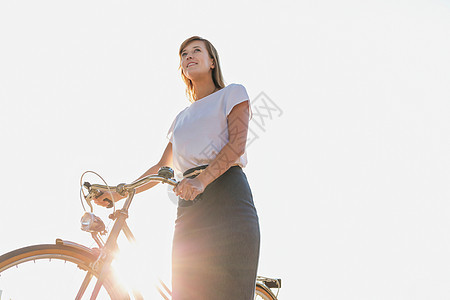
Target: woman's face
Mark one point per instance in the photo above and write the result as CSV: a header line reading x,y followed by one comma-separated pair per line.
x,y
195,60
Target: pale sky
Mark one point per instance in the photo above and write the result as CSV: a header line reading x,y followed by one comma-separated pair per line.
x,y
350,175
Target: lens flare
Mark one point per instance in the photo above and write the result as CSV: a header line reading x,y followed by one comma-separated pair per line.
x,y
140,272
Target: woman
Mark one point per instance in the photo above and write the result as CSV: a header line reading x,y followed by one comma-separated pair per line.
x,y
216,239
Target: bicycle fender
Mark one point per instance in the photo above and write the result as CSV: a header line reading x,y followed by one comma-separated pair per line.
x,y
93,251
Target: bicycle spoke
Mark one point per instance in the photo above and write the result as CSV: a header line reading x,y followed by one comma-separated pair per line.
x,y
51,272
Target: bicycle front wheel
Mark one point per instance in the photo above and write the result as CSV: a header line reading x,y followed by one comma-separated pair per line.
x,y
52,272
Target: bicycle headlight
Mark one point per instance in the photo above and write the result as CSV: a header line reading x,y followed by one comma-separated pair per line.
x,y
91,223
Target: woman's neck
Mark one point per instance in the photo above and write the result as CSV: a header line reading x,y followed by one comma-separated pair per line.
x,y
203,89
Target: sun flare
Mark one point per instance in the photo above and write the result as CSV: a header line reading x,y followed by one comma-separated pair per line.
x,y
140,271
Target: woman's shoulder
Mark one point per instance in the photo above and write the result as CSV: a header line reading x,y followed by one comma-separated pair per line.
x,y
236,90
181,112
235,86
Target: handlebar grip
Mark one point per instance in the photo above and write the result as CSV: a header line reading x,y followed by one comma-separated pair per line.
x,y
110,205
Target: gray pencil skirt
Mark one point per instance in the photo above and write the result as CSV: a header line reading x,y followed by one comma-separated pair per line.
x,y
216,242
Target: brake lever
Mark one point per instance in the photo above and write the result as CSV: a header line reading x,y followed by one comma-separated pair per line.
x,y
95,194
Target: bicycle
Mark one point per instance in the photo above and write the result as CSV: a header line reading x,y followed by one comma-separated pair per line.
x,y
89,270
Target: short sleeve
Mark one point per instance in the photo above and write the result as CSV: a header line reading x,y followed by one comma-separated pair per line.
x,y
172,127
170,132
238,94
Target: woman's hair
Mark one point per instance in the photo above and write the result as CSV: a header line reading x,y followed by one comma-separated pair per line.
x,y
216,72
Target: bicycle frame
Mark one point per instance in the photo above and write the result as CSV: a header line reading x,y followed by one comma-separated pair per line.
x,y
107,249
103,263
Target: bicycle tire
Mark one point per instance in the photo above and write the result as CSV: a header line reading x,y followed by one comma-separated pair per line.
x,y
79,259
263,293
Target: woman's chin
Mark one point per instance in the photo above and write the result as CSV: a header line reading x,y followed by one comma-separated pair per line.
x,y
194,76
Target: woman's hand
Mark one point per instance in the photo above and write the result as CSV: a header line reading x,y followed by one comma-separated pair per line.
x,y
188,189
100,199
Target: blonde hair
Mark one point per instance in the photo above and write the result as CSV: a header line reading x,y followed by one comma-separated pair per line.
x,y
216,72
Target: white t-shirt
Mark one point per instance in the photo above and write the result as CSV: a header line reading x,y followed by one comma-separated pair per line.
x,y
200,131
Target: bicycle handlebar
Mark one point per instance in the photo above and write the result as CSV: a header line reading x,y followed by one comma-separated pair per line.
x,y
123,188
164,175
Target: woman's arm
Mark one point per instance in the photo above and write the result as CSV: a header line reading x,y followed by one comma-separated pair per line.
x,y
166,160
238,120
237,133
